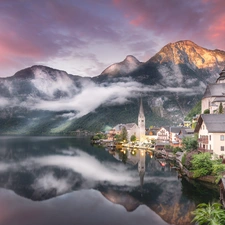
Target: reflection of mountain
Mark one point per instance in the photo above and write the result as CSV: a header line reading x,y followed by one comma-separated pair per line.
x,y
43,168
128,201
79,207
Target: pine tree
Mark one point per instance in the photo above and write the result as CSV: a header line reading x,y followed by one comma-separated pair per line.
x,y
220,108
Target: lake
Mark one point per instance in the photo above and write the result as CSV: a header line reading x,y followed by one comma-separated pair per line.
x,y
65,180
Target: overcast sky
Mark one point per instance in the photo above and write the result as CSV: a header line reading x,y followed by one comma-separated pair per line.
x,y
84,37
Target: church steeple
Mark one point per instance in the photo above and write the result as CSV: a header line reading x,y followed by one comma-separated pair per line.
x,y
221,78
141,110
141,122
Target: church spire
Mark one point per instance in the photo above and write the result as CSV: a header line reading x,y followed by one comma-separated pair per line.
x,y
141,122
141,110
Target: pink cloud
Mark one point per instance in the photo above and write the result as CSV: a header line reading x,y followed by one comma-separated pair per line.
x,y
200,21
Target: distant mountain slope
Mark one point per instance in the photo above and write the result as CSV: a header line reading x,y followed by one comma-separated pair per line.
x,y
182,63
42,100
40,82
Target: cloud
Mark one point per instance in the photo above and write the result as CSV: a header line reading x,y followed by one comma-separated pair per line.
x,y
82,38
93,95
48,181
88,96
89,167
200,21
47,31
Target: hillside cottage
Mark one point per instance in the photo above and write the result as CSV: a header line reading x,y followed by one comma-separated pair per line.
x,y
211,133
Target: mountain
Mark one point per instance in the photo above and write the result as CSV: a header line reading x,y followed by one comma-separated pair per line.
x,y
128,65
42,100
40,82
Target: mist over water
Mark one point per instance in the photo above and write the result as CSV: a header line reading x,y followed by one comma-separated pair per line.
x,y
70,175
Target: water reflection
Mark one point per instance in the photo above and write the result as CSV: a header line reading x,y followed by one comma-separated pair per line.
x,y
43,168
80,207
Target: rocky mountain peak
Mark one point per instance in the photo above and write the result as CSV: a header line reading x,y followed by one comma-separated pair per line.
x,y
187,52
129,64
131,59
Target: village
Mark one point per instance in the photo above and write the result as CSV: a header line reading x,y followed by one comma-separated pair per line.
x,y
206,131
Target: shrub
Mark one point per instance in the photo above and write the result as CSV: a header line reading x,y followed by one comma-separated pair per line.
x,y
201,164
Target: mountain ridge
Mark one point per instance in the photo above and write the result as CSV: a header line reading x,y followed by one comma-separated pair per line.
x,y
42,100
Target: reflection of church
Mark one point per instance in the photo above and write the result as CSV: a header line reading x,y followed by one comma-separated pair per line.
x,y
134,157
141,166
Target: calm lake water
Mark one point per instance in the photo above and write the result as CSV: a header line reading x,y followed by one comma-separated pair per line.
x,y
65,180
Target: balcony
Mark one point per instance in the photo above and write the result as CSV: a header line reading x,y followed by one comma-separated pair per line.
x,y
203,140
205,150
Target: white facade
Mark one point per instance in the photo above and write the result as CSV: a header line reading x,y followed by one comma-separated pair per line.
x,y
211,142
163,135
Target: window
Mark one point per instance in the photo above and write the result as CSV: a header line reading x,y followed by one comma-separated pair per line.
x,y
203,127
210,137
221,148
222,137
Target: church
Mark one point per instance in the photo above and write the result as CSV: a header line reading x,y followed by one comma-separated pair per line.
x,y
214,95
133,128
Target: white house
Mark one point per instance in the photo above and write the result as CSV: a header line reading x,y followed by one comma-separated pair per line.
x,y
211,133
163,134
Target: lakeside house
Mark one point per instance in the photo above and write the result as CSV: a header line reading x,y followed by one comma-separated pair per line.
x,y
174,132
211,133
211,126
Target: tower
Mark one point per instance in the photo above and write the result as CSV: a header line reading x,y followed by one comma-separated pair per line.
x,y
141,122
141,166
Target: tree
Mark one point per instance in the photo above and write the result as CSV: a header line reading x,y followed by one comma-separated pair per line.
x,y
218,170
206,111
177,149
133,138
124,134
201,164
209,214
220,108
190,143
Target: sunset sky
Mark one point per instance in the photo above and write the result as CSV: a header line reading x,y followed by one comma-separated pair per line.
x,y
83,37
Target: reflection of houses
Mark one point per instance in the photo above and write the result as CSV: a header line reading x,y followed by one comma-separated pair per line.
x,y
211,133
214,95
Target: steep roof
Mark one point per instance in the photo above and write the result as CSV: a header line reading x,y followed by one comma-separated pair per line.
x,y
141,110
129,125
175,129
222,76
215,123
219,99
214,90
